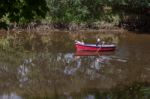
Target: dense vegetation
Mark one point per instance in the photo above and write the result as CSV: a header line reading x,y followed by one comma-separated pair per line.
x,y
131,14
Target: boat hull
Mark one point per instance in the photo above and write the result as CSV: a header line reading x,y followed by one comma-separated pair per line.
x,y
81,47
92,53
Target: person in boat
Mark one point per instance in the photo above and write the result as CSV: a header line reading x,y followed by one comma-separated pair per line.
x,y
82,42
103,42
98,41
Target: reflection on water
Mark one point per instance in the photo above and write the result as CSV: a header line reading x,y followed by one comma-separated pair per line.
x,y
10,96
48,67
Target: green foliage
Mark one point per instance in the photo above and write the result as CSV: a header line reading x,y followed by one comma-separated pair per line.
x,y
130,6
93,10
75,10
70,11
4,43
18,10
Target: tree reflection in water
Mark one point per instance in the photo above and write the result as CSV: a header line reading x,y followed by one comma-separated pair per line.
x,y
61,75
56,73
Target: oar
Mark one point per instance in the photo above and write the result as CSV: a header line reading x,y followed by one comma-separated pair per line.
x,y
99,48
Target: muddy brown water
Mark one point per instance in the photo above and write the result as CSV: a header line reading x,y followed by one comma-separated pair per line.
x,y
48,67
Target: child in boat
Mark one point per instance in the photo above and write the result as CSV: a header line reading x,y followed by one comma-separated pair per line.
x,y
82,42
98,42
76,41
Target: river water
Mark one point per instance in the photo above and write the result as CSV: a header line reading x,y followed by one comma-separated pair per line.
x,y
48,67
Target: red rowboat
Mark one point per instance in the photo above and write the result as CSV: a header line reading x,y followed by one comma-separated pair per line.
x,y
80,46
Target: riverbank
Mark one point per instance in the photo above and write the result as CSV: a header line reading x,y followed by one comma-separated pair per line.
x,y
73,28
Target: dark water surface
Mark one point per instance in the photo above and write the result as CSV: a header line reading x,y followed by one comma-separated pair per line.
x,y
48,67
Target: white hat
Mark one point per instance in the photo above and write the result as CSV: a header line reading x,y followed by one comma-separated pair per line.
x,y
98,39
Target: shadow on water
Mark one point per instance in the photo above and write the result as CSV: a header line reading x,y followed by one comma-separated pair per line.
x,y
48,67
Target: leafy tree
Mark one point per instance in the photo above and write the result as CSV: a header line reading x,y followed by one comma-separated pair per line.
x,y
22,10
68,11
